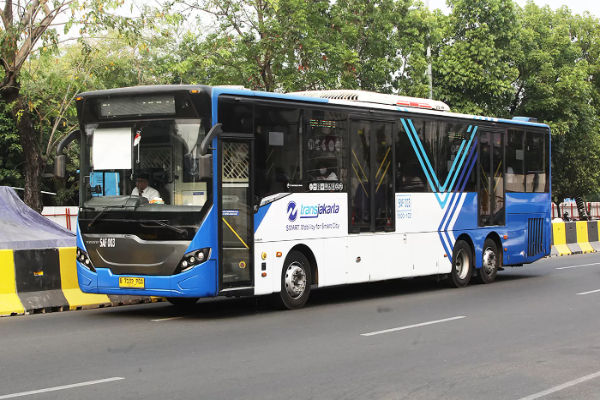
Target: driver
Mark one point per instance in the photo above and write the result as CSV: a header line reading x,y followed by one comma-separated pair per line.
x,y
142,188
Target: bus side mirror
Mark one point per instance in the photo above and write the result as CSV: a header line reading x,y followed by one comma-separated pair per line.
x,y
205,167
60,163
60,167
197,168
205,145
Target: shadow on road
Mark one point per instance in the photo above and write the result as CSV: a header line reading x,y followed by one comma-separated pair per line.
x,y
223,308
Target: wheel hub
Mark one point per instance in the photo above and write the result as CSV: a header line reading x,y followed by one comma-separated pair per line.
x,y
489,261
295,280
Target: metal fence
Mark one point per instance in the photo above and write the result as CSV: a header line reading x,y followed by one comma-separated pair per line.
x,y
64,216
593,210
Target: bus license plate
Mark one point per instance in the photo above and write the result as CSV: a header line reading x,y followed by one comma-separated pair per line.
x,y
128,282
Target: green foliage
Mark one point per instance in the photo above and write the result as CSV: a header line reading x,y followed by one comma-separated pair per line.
x,y
557,60
11,152
473,68
489,57
307,45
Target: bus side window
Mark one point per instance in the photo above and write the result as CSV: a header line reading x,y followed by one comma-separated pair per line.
x,y
536,162
515,161
325,146
410,176
235,116
277,154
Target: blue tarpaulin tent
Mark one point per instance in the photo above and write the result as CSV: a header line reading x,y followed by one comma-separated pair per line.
x,y
23,228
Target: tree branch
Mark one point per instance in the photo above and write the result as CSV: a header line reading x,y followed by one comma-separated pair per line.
x,y
36,34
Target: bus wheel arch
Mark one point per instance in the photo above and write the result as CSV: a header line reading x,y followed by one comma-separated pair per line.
x,y
307,252
492,258
466,238
463,262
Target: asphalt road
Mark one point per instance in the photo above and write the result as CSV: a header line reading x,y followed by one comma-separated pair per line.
x,y
534,333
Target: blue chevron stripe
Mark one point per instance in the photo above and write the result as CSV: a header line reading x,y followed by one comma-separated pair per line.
x,y
446,221
459,157
443,229
462,159
448,251
456,188
445,216
412,142
469,173
431,170
455,170
449,220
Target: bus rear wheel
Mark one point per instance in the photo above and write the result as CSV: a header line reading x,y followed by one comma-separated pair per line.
x,y
183,302
295,281
462,265
490,262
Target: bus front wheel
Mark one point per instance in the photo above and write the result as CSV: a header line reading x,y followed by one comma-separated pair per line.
x,y
462,265
295,281
183,302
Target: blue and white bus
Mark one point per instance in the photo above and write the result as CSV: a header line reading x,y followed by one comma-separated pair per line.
x,y
260,193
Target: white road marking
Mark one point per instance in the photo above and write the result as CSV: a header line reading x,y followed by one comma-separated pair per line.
x,y
591,291
578,266
561,387
412,326
53,389
167,319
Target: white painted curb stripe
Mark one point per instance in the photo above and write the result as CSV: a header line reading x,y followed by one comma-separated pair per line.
x,y
412,326
53,389
592,291
561,387
578,266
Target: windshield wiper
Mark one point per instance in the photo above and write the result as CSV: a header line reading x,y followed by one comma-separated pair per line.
x,y
162,224
101,213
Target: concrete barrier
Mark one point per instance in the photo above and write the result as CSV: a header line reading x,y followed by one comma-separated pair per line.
x,y
9,301
45,280
575,237
70,287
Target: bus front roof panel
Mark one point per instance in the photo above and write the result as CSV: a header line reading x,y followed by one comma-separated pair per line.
x,y
138,90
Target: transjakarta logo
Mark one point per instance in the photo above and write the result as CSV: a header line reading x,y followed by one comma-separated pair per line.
x,y
291,211
313,211
295,211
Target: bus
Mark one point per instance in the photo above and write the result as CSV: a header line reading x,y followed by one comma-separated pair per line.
x,y
255,193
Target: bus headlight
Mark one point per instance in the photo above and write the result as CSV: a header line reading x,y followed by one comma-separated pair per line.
x,y
192,259
84,259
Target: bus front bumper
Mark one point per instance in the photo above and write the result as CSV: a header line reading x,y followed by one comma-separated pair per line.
x,y
200,281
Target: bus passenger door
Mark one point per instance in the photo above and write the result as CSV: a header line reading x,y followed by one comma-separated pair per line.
x,y
371,201
235,204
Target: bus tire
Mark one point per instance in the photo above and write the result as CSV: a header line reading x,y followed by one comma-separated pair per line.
x,y
295,281
183,302
462,265
490,262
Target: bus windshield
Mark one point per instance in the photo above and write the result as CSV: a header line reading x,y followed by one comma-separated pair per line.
x,y
154,160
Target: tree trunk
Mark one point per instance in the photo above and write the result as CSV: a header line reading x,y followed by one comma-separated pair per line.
x,y
34,164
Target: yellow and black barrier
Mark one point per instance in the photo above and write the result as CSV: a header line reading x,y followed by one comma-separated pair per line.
x,y
575,237
45,280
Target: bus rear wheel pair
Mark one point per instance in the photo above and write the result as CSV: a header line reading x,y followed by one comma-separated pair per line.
x,y
463,265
